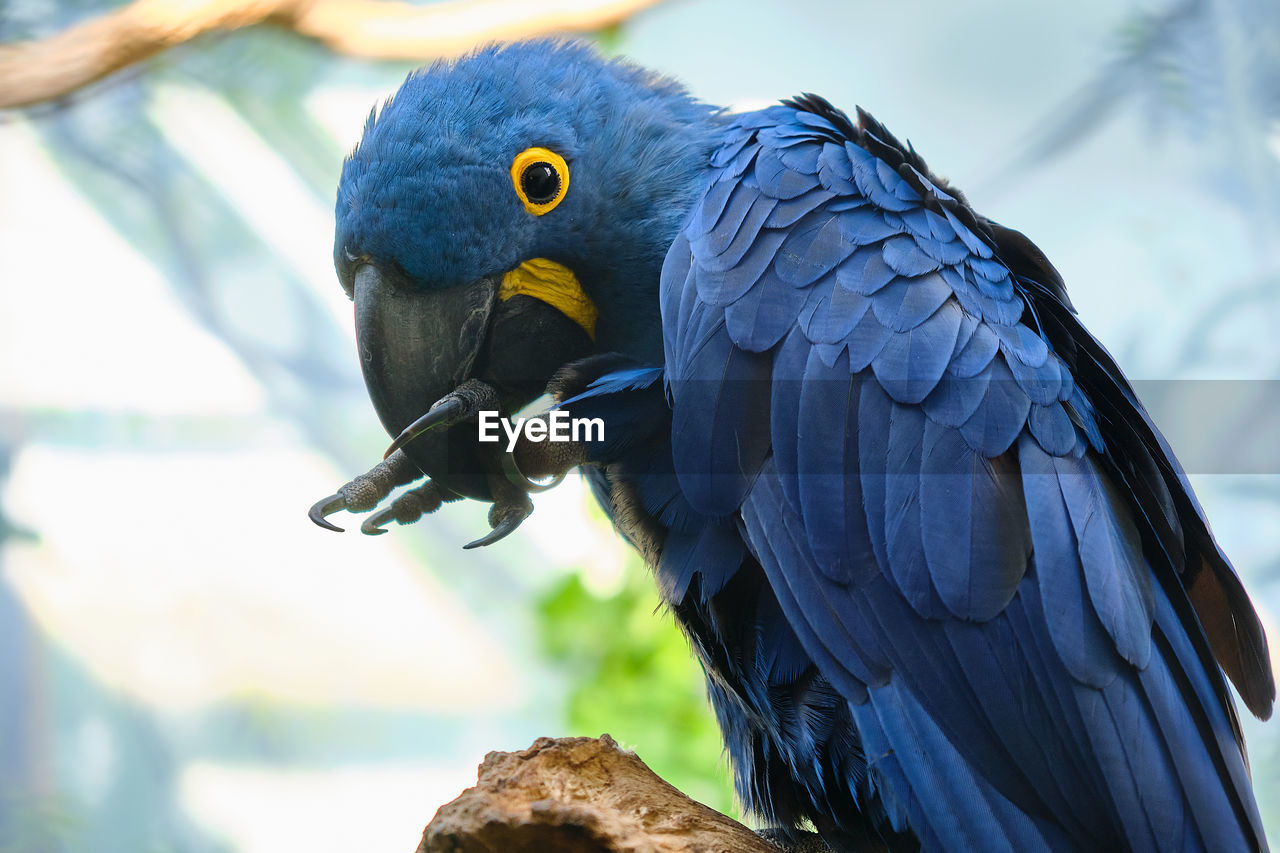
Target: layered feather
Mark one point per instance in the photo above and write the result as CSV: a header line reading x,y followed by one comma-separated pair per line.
x,y
966,517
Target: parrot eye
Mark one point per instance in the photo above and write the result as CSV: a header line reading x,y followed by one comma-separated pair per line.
x,y
540,183
541,179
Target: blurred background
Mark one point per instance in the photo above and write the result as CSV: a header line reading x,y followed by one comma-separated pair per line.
x,y
187,663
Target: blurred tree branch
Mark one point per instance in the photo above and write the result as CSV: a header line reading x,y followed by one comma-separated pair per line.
x,y
36,71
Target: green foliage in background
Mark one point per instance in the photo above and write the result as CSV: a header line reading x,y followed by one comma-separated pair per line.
x,y
634,676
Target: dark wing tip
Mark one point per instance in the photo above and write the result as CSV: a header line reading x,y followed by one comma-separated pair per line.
x,y
1235,635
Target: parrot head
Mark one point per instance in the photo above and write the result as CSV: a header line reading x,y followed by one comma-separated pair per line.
x,y
504,214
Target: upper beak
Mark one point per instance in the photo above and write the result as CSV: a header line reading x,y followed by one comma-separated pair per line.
x,y
415,347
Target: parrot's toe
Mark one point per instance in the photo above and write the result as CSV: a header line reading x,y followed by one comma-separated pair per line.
x,y
517,478
409,507
366,491
466,400
508,512
321,509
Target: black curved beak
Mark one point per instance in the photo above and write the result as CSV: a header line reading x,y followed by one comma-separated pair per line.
x,y
415,347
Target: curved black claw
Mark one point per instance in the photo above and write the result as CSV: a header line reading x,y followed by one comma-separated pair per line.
x,y
459,404
505,528
445,412
326,507
504,518
366,491
372,526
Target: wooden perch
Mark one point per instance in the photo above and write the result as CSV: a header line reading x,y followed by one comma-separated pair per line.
x,y
579,795
37,71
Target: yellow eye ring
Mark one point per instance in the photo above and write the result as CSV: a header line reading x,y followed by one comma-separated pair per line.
x,y
541,179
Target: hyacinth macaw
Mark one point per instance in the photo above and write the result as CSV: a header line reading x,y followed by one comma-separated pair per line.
x,y
949,585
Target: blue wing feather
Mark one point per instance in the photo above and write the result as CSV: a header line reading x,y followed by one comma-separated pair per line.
x,y
813,248
905,258
864,226
1115,572
1001,415
954,400
777,181
962,538
1079,638
760,317
913,360
721,249
715,201
773,541
787,213
1052,429
976,539
908,302
865,271
724,286
834,171
977,354
834,316
863,344
828,411
720,423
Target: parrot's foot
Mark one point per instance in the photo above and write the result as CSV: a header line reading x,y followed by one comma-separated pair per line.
x,y
409,507
511,506
538,460
530,459
521,469
466,400
512,469
366,491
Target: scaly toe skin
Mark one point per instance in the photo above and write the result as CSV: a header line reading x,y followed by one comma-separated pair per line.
x,y
511,469
409,507
535,466
366,491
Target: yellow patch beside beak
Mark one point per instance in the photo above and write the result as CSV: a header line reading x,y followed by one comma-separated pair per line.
x,y
555,285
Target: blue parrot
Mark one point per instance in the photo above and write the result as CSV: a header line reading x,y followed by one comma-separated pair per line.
x,y
949,585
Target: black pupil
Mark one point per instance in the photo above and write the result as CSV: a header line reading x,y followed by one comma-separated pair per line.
x,y
540,183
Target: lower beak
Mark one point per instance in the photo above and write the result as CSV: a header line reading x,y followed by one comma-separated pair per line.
x,y
415,347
